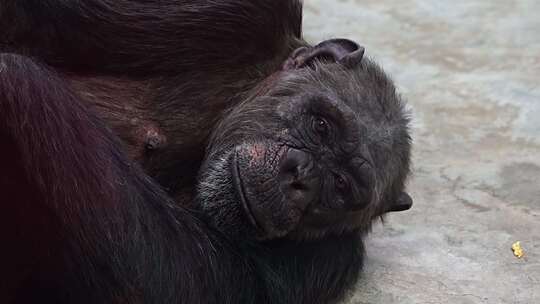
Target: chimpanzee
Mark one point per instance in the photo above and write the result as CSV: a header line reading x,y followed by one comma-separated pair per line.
x,y
314,146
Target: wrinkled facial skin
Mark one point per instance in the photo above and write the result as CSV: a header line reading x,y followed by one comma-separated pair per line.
x,y
324,151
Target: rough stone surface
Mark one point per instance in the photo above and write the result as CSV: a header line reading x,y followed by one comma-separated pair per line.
x,y
471,73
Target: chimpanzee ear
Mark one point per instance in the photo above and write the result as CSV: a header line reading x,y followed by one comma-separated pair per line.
x,y
342,51
403,202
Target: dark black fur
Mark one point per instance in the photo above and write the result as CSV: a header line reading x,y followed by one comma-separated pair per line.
x,y
157,71
89,226
106,233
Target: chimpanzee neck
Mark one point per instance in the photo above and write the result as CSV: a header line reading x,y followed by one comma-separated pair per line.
x,y
318,271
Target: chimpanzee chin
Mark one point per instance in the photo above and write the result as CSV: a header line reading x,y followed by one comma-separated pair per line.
x,y
321,147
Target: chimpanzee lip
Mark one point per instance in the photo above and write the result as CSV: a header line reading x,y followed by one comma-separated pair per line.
x,y
240,189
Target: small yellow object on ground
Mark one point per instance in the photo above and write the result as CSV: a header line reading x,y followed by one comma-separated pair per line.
x,y
516,248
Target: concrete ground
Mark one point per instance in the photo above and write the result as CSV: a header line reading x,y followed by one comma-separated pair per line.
x,y
471,73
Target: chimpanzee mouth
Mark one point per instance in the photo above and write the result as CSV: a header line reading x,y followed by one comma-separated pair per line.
x,y
240,190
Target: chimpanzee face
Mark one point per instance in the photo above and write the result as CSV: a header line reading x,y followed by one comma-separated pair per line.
x,y
324,150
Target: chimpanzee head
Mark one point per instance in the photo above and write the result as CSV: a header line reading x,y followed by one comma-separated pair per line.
x,y
321,147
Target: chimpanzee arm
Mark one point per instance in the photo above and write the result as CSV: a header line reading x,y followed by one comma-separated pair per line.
x,y
148,36
79,221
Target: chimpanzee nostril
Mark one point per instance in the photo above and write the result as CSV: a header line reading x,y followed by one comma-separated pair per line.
x,y
299,181
297,186
294,161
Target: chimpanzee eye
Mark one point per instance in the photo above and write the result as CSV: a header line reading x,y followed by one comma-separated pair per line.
x,y
320,125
